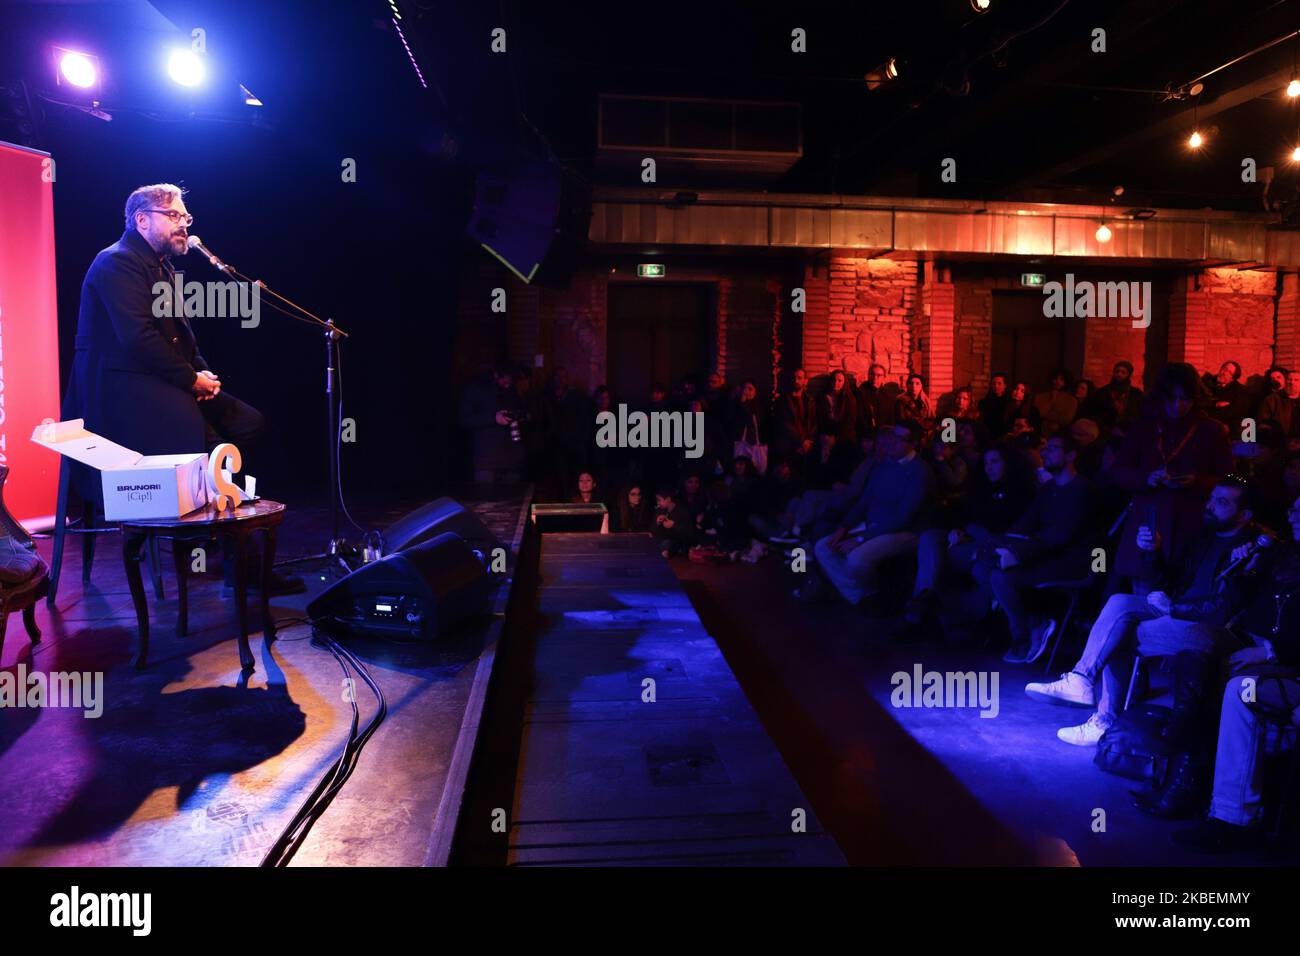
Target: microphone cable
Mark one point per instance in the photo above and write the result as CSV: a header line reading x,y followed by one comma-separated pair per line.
x,y
331,782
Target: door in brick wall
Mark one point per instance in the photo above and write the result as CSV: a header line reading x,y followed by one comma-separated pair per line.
x,y
658,332
1028,345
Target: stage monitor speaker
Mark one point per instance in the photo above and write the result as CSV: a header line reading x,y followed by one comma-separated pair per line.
x,y
437,517
421,592
534,218
571,518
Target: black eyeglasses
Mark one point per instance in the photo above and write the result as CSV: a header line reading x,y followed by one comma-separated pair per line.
x,y
174,216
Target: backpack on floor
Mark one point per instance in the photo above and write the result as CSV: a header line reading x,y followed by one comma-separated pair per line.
x,y
1132,746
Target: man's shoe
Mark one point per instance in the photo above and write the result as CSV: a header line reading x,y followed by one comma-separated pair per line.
x,y
1217,836
1071,688
1039,635
1088,733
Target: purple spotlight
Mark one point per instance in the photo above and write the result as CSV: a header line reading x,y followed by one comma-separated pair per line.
x,y
78,69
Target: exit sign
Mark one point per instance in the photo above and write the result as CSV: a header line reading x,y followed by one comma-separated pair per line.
x,y
1033,279
651,270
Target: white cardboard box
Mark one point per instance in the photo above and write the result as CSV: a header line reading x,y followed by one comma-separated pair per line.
x,y
135,485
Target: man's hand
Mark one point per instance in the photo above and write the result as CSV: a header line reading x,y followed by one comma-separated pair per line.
x,y
1157,478
503,417
1160,601
1249,656
1148,539
206,386
836,537
1240,551
1006,558
806,446
956,536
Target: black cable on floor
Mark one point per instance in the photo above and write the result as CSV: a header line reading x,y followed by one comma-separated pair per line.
x,y
295,834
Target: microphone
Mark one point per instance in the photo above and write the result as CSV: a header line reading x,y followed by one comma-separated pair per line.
x,y
1252,551
194,242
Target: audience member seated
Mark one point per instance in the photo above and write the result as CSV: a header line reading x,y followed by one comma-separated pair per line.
x,y
1184,615
1229,400
1280,404
673,525
634,511
914,405
1049,542
1264,688
878,397
996,408
837,413
1170,460
998,495
1116,403
818,511
1056,406
883,523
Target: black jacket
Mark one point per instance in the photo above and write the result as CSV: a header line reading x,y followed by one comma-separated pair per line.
x,y
1177,575
133,372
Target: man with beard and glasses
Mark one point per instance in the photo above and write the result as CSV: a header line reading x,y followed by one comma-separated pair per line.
x,y
138,377
1185,619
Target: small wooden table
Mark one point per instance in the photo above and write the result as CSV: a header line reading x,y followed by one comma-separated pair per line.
x,y
205,524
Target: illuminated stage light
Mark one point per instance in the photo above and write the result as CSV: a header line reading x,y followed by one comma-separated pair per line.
x,y
1103,233
1293,88
1195,140
185,67
78,69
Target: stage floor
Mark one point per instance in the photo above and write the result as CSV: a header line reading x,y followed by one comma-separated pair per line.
x,y
186,766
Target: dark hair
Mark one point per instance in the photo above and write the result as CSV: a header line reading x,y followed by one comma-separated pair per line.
x,y
1236,368
667,491
914,431
1126,363
1245,491
1067,440
1064,373
1178,375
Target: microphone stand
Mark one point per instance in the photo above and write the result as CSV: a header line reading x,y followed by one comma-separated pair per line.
x,y
337,550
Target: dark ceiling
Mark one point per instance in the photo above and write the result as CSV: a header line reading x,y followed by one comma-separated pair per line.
x,y
1015,95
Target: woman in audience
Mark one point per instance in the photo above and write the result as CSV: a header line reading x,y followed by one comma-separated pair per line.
x,y
914,405
836,422
634,512
586,491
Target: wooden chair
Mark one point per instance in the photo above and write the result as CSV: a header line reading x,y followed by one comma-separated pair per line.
x,y
24,579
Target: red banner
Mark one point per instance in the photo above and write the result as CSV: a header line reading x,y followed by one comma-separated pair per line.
x,y
29,331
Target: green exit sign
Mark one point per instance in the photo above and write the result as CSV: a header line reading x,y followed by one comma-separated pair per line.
x,y
651,270
1033,279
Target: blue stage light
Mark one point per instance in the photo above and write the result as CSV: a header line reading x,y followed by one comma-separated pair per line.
x,y
78,69
185,67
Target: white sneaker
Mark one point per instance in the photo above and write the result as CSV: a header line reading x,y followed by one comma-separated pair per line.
x,y
1088,733
1072,688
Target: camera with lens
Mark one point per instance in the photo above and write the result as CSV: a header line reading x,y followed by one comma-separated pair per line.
x,y
515,421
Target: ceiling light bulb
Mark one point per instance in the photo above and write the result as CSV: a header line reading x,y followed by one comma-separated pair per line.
x,y
1195,140
1103,233
1295,155
1293,88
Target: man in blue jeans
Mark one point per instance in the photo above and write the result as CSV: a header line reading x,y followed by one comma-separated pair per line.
x,y
883,522
1192,627
1261,704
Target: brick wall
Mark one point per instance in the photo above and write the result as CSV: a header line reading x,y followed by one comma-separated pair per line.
x,y
1239,321
870,304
